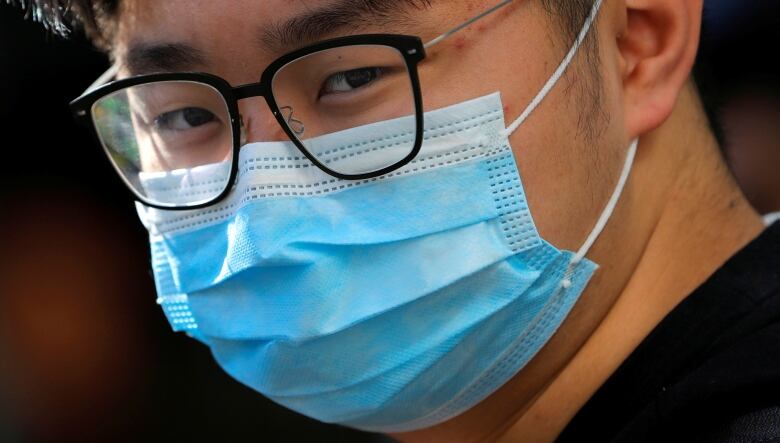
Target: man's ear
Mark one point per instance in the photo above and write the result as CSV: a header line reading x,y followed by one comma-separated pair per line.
x,y
657,42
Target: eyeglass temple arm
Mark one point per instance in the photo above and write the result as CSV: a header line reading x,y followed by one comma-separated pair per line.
x,y
104,78
466,24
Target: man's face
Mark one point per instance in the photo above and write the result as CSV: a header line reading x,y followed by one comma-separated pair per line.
x,y
568,153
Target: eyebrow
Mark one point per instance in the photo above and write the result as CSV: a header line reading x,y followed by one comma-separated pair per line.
x,y
145,58
340,15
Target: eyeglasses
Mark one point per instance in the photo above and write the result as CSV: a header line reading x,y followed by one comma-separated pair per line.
x,y
175,126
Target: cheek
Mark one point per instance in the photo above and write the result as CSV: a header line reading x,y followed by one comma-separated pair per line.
x,y
569,156
568,172
472,65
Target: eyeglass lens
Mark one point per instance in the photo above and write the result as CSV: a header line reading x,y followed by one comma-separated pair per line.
x,y
331,100
172,141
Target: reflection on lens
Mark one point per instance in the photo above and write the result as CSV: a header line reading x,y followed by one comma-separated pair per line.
x,y
168,132
331,99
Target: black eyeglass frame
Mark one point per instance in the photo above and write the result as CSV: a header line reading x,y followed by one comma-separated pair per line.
x,y
411,49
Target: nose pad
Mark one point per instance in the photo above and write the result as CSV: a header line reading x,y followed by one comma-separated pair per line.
x,y
258,123
243,129
296,126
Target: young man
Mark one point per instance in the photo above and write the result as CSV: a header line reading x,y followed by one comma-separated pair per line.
x,y
364,231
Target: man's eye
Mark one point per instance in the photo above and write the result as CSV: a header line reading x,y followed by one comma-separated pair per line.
x,y
348,81
183,119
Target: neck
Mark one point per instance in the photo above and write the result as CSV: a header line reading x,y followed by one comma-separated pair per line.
x,y
679,234
704,220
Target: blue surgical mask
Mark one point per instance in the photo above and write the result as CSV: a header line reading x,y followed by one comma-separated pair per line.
x,y
390,304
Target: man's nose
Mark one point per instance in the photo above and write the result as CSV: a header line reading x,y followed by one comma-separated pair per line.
x,y
258,122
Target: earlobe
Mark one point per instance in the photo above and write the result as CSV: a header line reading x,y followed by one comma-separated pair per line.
x,y
658,47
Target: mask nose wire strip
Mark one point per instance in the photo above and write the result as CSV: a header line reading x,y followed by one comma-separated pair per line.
x,y
558,72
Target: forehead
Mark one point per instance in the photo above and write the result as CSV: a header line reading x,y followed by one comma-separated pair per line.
x,y
182,19
175,35
205,12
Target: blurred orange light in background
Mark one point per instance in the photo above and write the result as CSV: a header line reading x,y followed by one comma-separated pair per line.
x,y
74,353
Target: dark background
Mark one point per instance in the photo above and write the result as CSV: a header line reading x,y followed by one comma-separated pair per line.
x,y
85,353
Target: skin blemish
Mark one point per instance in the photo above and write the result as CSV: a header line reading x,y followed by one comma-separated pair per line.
x,y
506,109
460,42
508,10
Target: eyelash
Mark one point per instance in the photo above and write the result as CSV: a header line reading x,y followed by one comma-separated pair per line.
x,y
375,73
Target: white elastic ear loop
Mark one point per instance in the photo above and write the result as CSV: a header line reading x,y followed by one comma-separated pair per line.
x,y
605,215
594,12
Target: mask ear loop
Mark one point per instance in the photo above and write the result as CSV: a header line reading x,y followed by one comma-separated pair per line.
x,y
566,283
594,12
